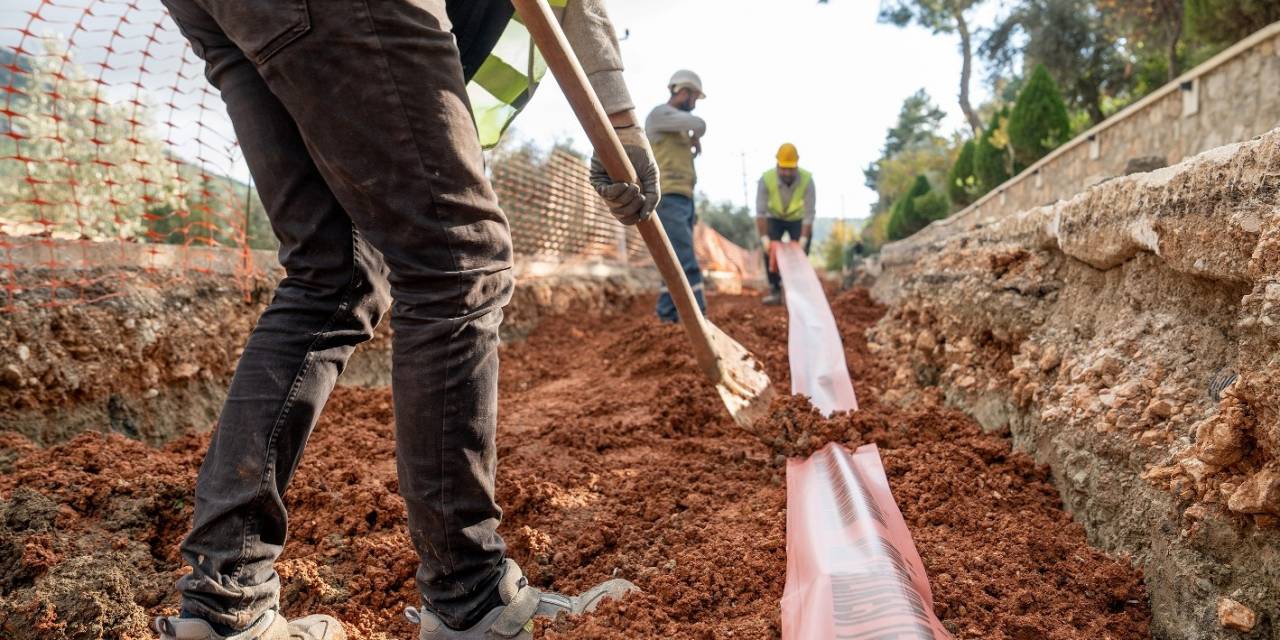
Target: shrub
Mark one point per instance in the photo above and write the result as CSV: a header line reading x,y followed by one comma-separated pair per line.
x,y
961,183
990,155
905,219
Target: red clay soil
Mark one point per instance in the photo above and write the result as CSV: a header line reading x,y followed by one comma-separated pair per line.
x,y
616,460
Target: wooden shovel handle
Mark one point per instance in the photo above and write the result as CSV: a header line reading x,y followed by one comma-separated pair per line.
x,y
550,39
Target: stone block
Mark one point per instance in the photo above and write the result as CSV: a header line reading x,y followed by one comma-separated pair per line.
x,y
1252,63
1235,616
1260,493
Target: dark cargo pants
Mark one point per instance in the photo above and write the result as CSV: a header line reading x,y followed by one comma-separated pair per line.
x,y
776,229
355,124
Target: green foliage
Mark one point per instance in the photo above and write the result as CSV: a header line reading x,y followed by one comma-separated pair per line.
x,y
876,231
1152,36
991,157
1039,122
936,15
913,147
729,220
915,209
1222,22
917,127
961,183
1082,50
929,207
835,247
900,171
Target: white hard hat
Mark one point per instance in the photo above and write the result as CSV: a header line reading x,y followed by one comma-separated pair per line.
x,y
686,79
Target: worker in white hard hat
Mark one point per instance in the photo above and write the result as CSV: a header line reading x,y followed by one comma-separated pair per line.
x,y
676,136
786,202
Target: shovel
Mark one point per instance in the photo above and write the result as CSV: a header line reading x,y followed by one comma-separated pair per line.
x,y
738,376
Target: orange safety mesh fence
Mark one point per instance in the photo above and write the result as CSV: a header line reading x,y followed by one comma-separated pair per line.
x,y
721,258
116,152
553,210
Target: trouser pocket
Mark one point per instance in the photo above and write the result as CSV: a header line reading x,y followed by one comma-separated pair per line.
x,y
260,28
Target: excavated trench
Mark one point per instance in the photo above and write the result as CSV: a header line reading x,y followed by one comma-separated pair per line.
x,y
615,459
1127,338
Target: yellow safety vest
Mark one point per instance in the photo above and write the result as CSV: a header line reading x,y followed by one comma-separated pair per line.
x,y
506,80
794,209
674,154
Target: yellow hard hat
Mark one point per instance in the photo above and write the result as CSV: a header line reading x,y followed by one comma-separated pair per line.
x,y
788,157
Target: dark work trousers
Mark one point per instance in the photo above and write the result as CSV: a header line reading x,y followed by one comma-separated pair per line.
x,y
355,124
678,219
792,229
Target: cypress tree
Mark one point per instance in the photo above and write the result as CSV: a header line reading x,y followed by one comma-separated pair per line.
x,y
1039,122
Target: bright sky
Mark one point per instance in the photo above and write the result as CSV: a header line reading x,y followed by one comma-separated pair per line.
x,y
826,77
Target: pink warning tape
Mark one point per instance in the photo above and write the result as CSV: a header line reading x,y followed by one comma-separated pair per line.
x,y
818,368
852,570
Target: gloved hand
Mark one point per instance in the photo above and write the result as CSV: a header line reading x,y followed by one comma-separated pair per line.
x,y
805,241
629,203
765,242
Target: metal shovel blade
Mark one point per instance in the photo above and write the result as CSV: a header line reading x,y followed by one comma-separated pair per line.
x,y
743,385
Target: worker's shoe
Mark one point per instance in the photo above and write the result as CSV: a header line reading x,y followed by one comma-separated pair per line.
x,y
521,605
774,298
271,626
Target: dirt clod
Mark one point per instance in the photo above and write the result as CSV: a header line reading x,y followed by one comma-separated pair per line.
x,y
1235,616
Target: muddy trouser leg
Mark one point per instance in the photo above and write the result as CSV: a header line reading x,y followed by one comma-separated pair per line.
x,y
776,229
678,218
355,124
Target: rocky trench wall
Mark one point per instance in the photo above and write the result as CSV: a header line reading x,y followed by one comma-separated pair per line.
x,y
1129,338
153,355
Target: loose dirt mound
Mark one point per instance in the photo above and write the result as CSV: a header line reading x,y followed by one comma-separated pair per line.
x,y
616,459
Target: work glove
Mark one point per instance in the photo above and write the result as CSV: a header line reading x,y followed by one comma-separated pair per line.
x,y
629,203
805,241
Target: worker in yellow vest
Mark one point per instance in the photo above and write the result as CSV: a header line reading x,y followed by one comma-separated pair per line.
x,y
785,204
676,136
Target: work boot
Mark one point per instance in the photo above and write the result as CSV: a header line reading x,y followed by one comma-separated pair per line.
x,y
774,298
521,605
271,626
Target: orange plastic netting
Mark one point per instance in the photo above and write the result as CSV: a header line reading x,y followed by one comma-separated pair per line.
x,y
115,152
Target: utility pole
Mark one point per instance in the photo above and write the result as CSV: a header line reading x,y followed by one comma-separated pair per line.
x,y
746,194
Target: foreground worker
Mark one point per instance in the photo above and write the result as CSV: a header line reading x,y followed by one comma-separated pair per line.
x,y
786,202
676,135
355,122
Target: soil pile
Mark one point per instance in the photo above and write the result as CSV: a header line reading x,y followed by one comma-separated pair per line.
x,y
616,459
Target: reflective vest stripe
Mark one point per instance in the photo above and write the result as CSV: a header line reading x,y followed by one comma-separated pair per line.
x,y
506,80
795,208
501,80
